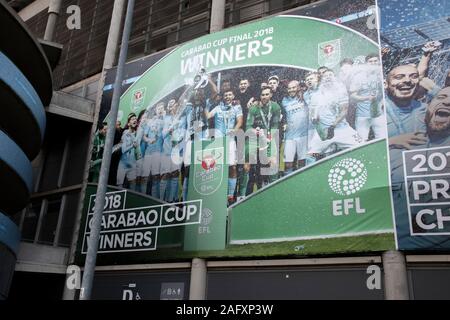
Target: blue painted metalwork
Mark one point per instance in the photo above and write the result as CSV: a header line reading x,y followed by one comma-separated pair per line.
x,y
9,234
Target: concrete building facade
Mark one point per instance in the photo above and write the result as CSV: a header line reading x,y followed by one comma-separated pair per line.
x,y
50,223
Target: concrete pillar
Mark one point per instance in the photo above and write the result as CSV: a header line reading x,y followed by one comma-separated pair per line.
x,y
217,16
112,47
198,280
53,13
395,276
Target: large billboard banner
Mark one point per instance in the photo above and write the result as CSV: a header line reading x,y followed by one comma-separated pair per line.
x,y
416,65
284,132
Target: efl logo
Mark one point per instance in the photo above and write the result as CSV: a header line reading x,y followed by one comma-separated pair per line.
x,y
207,217
346,178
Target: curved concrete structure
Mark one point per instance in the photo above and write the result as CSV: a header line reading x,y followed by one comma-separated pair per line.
x,y
19,45
25,122
9,234
25,88
15,170
9,247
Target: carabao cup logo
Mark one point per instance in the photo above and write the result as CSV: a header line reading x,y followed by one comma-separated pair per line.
x,y
329,53
137,99
208,162
347,177
208,170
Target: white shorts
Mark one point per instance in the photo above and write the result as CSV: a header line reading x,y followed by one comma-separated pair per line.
x,y
140,167
187,153
122,172
232,156
170,163
344,137
152,164
378,125
295,146
311,135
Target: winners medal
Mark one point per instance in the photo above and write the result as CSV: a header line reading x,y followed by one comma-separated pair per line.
x,y
267,124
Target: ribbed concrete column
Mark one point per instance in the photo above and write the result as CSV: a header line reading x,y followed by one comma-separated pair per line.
x,y
395,276
198,280
53,13
112,47
217,16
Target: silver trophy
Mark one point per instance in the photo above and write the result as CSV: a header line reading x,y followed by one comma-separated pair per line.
x,y
201,79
